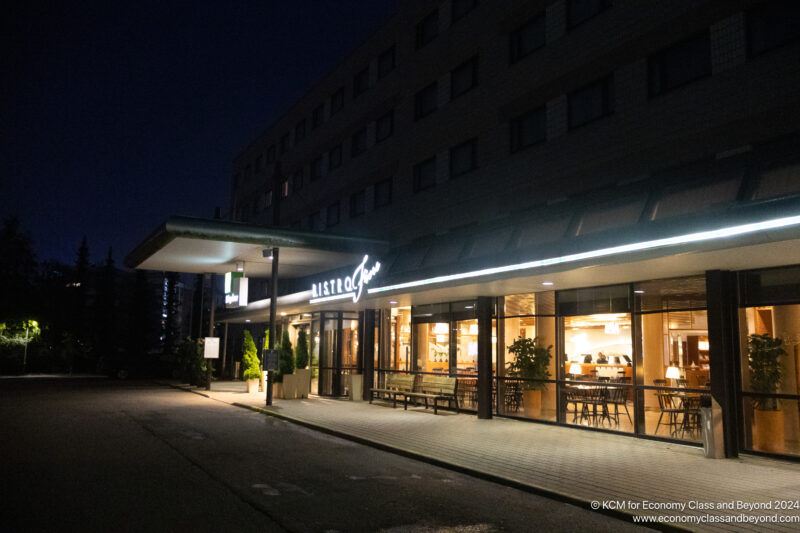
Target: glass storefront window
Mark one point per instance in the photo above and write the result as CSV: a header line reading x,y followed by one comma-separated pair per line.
x,y
467,347
400,346
433,347
770,362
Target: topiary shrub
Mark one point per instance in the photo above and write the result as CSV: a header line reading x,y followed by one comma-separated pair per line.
x,y
285,358
250,362
301,351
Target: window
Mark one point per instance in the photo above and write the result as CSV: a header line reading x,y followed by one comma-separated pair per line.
x,y
268,199
271,154
297,180
337,101
527,38
460,8
318,116
384,126
579,11
463,158
285,189
332,214
361,82
315,221
386,62
680,64
464,77
357,201
260,163
284,146
316,169
425,101
591,102
335,157
300,131
528,129
772,26
428,29
383,193
425,175
359,145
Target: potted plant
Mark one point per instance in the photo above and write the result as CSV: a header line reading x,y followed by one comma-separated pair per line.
x,y
252,366
303,379
766,374
285,375
531,362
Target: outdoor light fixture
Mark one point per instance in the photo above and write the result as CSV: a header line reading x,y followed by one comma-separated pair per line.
x,y
689,238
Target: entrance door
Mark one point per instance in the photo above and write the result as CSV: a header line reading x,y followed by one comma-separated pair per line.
x,y
337,352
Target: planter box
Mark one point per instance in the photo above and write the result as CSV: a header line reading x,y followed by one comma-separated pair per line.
x,y
356,387
252,386
532,403
289,386
302,382
768,431
277,391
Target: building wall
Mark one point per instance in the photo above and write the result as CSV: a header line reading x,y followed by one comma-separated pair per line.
x,y
745,101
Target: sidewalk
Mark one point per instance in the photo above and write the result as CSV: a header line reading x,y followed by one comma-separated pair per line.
x,y
570,464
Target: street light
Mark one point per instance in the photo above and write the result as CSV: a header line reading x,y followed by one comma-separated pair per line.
x,y
28,324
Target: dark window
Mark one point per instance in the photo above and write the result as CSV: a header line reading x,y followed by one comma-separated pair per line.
x,y
386,62
464,77
579,11
772,25
361,82
425,101
460,8
255,208
318,116
285,188
316,169
284,143
463,158
383,193
297,180
236,179
529,129
332,214
680,64
248,171
259,163
591,102
384,126
428,29
300,131
359,145
315,221
271,154
425,175
337,101
527,38
335,157
268,199
357,201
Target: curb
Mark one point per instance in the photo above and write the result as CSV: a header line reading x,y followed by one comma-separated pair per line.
x,y
494,478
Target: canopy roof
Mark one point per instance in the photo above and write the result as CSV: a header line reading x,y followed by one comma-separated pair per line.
x,y
197,245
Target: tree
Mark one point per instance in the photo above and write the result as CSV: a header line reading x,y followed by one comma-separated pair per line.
x,y
17,270
79,288
301,351
250,362
105,316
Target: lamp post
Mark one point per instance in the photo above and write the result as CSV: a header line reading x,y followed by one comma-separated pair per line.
x,y
25,352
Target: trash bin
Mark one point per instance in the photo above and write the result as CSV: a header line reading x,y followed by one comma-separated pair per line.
x,y
356,387
711,420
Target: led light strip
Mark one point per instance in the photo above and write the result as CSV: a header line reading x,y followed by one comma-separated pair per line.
x,y
732,231
332,298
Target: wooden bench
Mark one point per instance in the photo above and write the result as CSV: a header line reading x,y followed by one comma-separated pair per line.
x,y
396,385
435,388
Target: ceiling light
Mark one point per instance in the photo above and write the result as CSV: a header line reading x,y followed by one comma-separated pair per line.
x,y
239,266
639,292
392,302
283,314
548,283
247,320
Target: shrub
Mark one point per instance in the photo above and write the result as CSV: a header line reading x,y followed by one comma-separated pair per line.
x,y
301,351
250,362
285,358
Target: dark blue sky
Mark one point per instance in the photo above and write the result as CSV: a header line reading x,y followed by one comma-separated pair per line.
x,y
114,115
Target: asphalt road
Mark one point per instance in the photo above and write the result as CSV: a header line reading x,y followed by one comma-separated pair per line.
x,y
99,455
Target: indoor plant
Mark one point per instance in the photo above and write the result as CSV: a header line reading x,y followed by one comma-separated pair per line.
x,y
531,362
764,354
250,362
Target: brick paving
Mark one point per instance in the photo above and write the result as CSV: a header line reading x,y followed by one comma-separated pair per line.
x,y
575,464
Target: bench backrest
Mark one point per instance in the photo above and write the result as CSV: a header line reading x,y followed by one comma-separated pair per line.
x,y
402,382
438,385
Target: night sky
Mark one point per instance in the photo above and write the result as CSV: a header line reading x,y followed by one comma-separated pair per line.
x,y
115,115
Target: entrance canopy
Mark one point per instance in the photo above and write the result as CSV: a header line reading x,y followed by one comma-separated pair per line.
x,y
198,246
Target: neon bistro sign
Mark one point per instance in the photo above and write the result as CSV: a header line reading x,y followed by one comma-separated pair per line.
x,y
338,288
